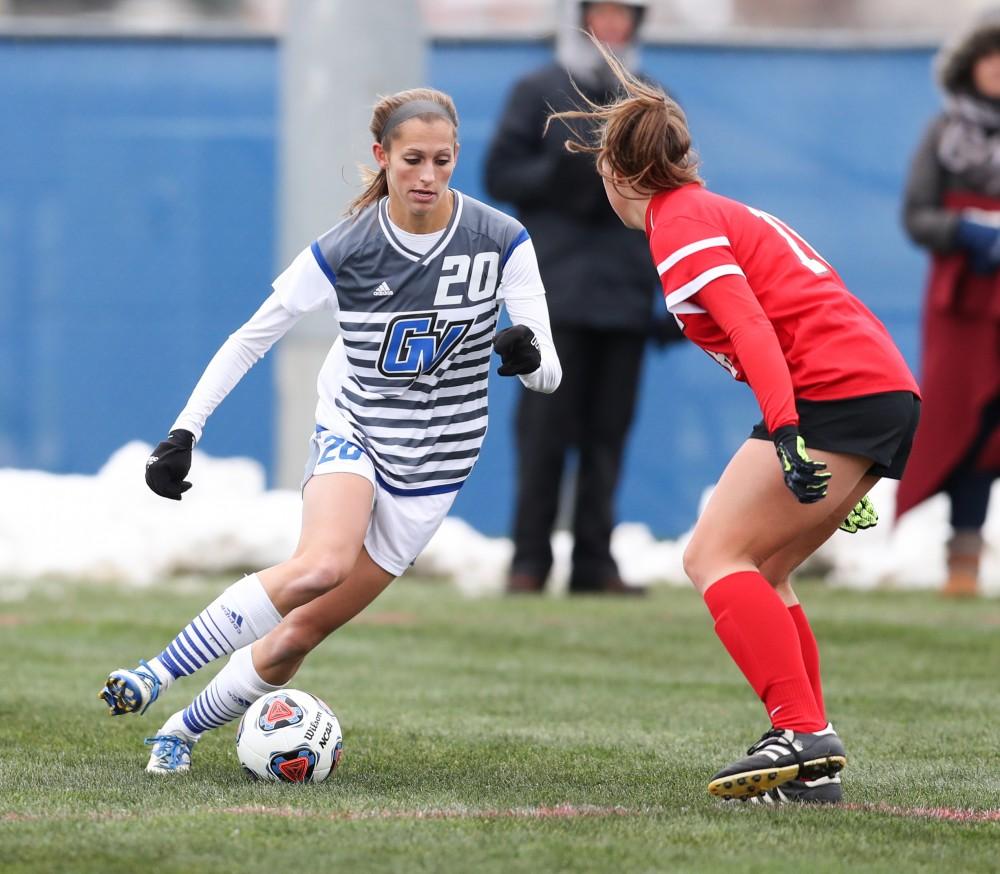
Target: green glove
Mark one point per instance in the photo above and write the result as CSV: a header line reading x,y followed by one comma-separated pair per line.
x,y
864,515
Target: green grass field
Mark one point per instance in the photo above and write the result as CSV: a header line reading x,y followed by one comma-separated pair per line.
x,y
507,735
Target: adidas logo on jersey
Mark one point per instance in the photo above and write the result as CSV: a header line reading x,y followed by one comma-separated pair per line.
x,y
383,290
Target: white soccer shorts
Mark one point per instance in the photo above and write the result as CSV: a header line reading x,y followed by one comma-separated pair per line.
x,y
401,525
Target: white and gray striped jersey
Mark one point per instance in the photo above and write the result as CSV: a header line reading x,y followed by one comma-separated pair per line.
x,y
406,378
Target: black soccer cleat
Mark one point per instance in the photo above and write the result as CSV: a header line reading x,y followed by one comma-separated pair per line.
x,y
822,790
779,756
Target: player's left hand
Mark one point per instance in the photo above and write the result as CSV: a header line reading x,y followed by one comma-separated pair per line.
x,y
864,515
807,479
169,464
518,349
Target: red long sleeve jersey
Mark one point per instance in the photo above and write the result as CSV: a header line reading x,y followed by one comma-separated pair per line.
x,y
758,298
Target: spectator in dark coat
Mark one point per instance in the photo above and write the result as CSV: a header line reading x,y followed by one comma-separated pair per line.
x,y
952,209
583,252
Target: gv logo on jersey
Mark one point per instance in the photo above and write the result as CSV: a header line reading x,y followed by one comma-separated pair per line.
x,y
416,343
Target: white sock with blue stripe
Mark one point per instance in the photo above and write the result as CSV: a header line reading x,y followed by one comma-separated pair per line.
x,y
242,614
226,698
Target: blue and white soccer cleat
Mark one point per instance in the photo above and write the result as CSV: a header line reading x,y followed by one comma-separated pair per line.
x,y
171,754
128,691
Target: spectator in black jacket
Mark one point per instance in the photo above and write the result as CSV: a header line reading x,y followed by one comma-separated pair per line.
x,y
583,251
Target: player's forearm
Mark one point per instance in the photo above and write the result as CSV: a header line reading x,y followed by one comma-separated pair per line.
x,y
524,296
224,371
766,372
236,356
733,306
549,374
533,313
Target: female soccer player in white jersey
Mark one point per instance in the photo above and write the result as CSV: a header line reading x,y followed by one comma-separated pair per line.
x,y
415,276
755,296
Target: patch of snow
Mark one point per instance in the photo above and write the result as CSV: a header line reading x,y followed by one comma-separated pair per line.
x,y
110,528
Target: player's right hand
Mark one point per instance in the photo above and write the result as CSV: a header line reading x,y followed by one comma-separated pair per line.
x,y
807,479
169,464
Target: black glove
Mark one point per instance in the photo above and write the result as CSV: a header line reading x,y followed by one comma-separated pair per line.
x,y
518,349
169,464
807,479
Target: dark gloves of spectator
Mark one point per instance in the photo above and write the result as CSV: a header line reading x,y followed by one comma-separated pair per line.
x,y
518,349
982,244
169,464
807,479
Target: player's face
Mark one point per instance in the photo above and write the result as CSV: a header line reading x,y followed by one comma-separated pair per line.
x,y
418,164
986,76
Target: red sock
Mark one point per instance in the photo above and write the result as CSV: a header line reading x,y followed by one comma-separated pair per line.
x,y
810,654
756,628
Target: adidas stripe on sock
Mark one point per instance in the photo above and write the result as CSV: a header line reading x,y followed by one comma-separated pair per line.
x,y
242,614
228,696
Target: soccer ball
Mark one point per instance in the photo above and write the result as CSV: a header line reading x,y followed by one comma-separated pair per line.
x,y
289,736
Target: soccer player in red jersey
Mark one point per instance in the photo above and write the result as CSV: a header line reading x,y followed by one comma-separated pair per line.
x,y
761,301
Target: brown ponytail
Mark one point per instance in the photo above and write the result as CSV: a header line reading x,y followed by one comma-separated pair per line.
x,y
376,186
641,139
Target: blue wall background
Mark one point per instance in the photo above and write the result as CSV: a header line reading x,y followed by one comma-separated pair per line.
x,y
137,229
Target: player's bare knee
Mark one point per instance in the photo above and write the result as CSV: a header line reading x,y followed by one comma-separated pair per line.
x,y
293,640
279,646
316,574
777,575
784,589
695,565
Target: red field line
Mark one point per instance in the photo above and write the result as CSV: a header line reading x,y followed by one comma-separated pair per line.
x,y
949,814
560,811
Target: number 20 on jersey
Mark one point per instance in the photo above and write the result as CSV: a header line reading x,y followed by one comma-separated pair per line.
x,y
464,277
